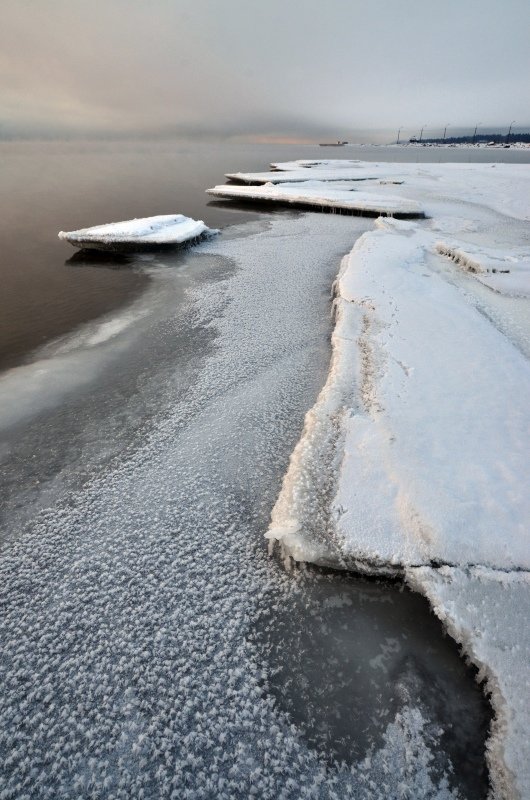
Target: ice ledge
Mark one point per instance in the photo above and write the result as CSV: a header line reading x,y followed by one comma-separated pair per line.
x,y
323,196
411,463
299,175
506,273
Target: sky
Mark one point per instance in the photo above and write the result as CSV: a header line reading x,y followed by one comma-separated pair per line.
x,y
263,69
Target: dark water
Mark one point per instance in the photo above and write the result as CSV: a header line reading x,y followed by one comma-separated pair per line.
x,y
352,638
47,187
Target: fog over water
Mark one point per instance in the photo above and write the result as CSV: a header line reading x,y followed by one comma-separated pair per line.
x,y
297,69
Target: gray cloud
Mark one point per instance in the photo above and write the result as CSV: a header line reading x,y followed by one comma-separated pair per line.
x,y
245,67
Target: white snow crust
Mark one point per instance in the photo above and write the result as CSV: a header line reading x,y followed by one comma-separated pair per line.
x,y
423,427
319,194
434,460
161,229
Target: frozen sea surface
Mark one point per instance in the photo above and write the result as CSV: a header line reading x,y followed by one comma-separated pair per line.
x,y
151,648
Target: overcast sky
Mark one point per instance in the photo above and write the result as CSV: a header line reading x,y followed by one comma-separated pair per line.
x,y
262,68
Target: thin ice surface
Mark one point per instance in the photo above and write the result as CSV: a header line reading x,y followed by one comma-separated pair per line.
x,y
161,229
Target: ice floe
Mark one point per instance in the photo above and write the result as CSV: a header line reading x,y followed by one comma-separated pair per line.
x,y
507,273
325,196
164,229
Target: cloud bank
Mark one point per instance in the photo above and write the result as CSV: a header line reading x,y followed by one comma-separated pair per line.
x,y
298,68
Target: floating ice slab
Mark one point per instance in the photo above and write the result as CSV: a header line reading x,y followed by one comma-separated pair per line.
x,y
164,229
321,195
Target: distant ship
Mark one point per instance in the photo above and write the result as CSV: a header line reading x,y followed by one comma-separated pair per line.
x,y
332,144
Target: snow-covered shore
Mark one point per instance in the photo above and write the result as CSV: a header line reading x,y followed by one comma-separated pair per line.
x,y
415,457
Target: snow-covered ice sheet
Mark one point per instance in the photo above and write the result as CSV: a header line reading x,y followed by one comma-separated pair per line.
x,y
158,230
502,187
434,459
422,429
319,194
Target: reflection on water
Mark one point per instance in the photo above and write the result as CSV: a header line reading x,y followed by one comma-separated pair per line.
x,y
99,258
347,653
